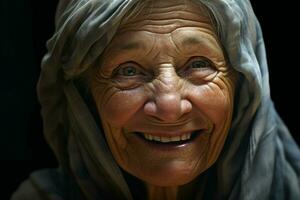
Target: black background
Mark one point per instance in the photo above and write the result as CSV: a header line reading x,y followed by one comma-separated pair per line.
x,y
27,24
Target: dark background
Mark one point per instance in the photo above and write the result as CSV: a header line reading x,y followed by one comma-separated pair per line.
x,y
25,25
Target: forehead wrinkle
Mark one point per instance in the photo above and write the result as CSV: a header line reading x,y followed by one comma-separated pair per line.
x,y
155,51
161,20
166,27
162,16
164,49
173,14
159,7
118,47
196,17
166,4
177,49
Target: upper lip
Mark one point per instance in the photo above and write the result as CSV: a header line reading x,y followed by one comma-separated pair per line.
x,y
170,130
181,122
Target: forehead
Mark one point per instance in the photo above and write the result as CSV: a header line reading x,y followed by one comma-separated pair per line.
x,y
183,26
165,16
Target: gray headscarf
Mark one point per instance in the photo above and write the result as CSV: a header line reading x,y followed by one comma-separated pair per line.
x,y
260,160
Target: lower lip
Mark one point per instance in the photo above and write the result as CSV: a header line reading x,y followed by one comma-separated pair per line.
x,y
169,146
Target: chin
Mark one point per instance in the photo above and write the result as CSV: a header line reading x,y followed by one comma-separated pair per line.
x,y
168,181
174,175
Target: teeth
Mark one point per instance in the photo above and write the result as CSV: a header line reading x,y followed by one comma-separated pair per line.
x,y
188,136
184,137
150,137
146,136
167,139
156,138
164,139
175,139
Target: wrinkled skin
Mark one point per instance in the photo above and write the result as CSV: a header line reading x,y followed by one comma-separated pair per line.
x,y
165,74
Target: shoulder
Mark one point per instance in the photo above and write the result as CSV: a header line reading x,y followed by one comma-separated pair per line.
x,y
26,191
41,185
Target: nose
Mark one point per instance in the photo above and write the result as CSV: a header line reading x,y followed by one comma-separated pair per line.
x,y
168,107
168,103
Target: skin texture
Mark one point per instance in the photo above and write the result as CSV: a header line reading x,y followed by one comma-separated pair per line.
x,y
165,74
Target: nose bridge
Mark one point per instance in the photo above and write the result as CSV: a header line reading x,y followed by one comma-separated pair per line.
x,y
167,80
167,104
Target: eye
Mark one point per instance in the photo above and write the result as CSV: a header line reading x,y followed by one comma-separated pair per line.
x,y
128,75
199,64
197,68
128,71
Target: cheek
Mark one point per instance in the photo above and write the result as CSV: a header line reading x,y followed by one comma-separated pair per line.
x,y
214,101
115,106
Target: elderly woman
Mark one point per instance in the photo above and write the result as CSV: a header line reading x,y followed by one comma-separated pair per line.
x,y
161,100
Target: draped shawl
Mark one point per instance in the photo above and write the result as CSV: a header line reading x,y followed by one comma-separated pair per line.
x,y
260,160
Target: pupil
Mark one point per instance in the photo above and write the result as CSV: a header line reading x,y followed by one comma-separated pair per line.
x,y
199,64
129,71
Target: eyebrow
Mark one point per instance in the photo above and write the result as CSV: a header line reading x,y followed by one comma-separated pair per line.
x,y
131,46
191,40
206,43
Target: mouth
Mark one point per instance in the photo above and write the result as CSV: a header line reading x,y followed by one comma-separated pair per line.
x,y
170,140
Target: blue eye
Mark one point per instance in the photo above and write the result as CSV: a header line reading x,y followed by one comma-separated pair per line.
x,y
128,71
199,64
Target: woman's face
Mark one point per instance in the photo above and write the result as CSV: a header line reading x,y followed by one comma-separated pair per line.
x,y
164,93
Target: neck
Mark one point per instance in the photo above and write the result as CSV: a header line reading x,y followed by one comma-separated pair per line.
x,y
192,190
166,193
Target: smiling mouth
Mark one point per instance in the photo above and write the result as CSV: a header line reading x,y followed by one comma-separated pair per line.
x,y
169,140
